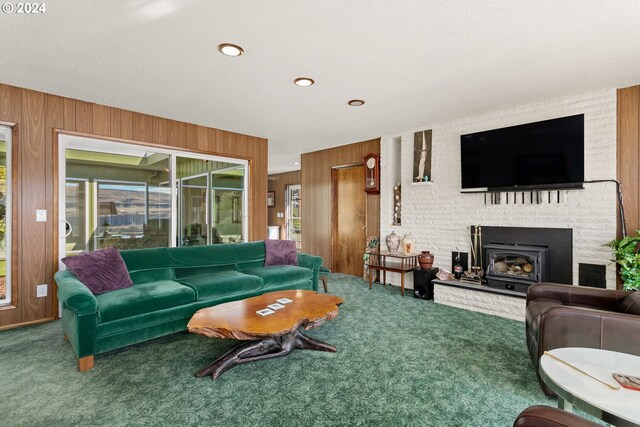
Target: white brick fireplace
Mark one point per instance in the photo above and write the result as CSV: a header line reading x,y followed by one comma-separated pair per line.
x,y
436,214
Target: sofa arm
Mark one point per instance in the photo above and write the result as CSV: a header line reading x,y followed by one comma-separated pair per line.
x,y
311,262
74,295
607,299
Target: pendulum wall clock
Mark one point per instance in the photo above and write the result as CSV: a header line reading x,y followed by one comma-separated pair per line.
x,y
372,173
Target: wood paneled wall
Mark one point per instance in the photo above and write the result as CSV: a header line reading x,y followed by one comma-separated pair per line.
x,y
628,159
278,183
317,198
628,155
36,115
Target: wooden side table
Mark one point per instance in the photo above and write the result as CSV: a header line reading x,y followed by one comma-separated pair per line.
x,y
393,262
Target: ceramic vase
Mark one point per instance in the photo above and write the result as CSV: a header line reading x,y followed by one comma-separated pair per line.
x,y
393,242
425,259
407,245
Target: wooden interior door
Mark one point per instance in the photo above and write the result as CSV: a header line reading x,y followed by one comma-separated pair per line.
x,y
349,219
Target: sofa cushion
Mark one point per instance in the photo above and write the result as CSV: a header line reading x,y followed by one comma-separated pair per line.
x,y
101,271
631,304
143,298
280,274
280,252
221,283
202,271
151,275
221,254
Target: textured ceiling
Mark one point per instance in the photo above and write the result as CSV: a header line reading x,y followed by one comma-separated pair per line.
x,y
415,62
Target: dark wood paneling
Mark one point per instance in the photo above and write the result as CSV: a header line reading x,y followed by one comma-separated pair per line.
x,y
35,173
159,131
126,124
69,106
373,215
54,118
192,137
628,155
101,120
317,203
278,183
32,259
177,134
142,127
10,104
84,117
116,123
202,143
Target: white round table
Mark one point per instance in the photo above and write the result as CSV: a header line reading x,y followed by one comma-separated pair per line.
x,y
618,407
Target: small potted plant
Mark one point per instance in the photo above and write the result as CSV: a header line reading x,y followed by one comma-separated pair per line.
x,y
626,251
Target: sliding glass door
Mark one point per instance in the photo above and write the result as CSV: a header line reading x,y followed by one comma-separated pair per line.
x,y
76,210
120,195
193,211
212,200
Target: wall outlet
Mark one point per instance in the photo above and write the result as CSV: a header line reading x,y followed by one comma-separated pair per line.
x,y
41,290
41,215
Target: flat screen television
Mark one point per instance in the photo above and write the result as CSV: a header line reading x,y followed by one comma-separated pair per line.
x,y
546,154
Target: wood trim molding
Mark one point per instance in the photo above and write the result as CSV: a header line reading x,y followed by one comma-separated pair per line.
x,y
58,132
334,216
15,230
56,228
350,165
30,323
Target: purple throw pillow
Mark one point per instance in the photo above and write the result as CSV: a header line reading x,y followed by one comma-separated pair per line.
x,y
280,252
101,271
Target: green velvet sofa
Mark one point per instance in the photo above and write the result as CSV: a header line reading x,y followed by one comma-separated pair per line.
x,y
169,286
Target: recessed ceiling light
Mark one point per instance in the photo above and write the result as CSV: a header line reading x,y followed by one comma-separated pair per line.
x,y
356,102
296,163
304,81
230,49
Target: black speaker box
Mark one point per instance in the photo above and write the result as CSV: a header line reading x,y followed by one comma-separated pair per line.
x,y
423,282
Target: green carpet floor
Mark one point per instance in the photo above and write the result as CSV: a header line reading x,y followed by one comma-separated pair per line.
x,y
400,361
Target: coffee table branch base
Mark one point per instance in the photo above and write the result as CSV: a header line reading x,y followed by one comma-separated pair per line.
x,y
266,348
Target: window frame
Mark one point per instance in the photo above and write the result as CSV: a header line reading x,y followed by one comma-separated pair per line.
x,y
8,299
68,140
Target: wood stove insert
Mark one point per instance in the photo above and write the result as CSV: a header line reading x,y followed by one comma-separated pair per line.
x,y
515,267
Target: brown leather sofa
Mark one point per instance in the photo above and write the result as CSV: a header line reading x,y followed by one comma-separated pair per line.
x,y
546,416
574,316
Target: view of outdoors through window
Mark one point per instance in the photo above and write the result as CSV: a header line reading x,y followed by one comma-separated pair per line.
x,y
116,199
119,195
294,220
211,201
5,209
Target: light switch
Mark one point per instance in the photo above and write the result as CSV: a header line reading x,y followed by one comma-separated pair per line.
x,y
41,215
41,291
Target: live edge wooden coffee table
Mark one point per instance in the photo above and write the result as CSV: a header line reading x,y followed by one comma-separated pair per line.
x,y
274,335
